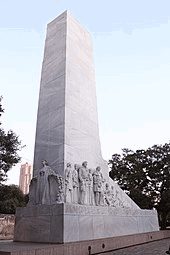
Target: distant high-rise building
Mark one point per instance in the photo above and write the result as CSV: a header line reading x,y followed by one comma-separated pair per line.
x,y
25,177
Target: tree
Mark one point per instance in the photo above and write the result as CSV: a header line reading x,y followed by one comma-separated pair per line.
x,y
10,198
145,176
9,147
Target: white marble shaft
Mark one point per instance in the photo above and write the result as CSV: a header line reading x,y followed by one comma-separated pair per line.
x,y
67,123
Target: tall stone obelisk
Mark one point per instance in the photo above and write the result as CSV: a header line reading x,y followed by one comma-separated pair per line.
x,y
67,122
67,132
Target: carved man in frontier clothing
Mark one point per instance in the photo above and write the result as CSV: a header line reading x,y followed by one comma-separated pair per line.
x,y
97,185
69,184
83,177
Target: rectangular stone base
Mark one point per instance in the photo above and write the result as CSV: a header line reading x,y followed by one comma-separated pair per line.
x,y
63,223
81,248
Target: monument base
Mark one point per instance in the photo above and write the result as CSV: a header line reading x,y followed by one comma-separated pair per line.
x,y
63,223
82,248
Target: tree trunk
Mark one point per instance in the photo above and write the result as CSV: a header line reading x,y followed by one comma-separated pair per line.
x,y
163,220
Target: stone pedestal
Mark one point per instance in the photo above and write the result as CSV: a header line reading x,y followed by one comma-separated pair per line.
x,y
63,223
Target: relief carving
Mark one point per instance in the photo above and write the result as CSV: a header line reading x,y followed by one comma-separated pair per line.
x,y
47,187
97,186
68,184
83,178
90,193
79,186
108,196
75,184
60,194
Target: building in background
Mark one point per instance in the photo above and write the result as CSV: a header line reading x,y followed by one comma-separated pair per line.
x,y
25,177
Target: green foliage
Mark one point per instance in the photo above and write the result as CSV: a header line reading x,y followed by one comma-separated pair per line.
x,y
9,147
10,198
145,176
141,199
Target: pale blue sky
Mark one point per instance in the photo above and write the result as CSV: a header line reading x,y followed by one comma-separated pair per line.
x,y
131,41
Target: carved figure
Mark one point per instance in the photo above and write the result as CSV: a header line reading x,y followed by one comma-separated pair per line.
x,y
112,195
83,178
90,193
108,195
43,186
60,194
126,204
97,185
75,183
68,184
118,202
102,193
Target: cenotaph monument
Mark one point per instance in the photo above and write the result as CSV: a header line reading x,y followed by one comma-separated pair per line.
x,y
71,195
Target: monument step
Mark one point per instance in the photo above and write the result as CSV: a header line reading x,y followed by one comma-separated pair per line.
x,y
91,247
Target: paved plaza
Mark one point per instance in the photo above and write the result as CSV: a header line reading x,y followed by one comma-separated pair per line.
x,y
153,248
